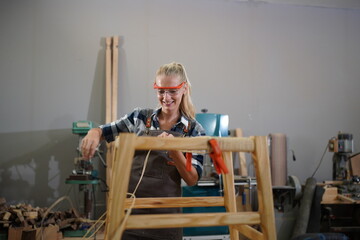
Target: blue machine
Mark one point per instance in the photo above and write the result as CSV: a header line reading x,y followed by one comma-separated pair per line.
x,y
209,185
214,124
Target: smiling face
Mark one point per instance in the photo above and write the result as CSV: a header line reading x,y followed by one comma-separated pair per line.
x,y
169,92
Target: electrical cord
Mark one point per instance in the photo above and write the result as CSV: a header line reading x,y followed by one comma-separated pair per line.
x,y
322,158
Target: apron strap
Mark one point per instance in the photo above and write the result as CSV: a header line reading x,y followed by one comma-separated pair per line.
x,y
186,129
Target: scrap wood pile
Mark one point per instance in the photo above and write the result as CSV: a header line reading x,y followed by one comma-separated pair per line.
x,y
24,215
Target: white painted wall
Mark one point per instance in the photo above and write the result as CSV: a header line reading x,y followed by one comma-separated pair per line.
x,y
270,67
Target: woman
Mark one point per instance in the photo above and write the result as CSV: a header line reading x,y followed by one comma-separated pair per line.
x,y
164,170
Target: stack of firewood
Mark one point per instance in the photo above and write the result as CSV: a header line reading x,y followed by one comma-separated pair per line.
x,y
24,215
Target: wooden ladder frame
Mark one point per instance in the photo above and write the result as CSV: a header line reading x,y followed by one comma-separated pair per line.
x,y
125,147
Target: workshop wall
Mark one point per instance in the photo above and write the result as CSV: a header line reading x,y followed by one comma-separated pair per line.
x,y
270,67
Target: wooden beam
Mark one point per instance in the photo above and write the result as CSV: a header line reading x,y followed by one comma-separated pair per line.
x,y
123,160
249,232
264,188
108,80
229,193
198,143
115,67
242,159
244,192
190,220
171,202
108,106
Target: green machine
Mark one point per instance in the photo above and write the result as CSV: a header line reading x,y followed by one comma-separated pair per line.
x,y
82,127
84,170
84,173
210,182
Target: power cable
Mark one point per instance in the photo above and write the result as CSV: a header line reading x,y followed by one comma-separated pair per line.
x,y
322,158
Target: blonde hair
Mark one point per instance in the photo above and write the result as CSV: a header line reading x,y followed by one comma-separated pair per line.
x,y
186,106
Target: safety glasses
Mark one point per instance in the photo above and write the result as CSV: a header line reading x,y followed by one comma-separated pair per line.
x,y
176,87
172,91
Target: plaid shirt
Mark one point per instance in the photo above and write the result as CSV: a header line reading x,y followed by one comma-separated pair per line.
x,y
135,122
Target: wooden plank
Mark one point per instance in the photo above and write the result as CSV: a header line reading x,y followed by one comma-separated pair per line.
x,y
345,198
114,87
229,191
244,192
332,182
329,195
250,232
191,220
6,216
109,162
176,202
264,188
242,159
198,143
31,214
108,107
108,80
121,173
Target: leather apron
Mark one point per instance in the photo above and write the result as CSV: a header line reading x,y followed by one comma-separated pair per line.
x,y
161,179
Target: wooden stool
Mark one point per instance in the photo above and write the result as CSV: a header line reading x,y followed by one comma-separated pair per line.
x,y
125,147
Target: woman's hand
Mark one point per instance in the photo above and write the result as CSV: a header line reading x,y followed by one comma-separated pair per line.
x,y
165,134
90,143
168,135
172,153
191,177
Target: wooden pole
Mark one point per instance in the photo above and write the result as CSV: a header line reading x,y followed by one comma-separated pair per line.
x,y
111,92
117,195
244,192
108,80
115,67
229,193
108,109
264,187
243,169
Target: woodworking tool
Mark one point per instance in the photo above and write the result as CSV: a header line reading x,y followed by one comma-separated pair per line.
x,y
84,173
342,146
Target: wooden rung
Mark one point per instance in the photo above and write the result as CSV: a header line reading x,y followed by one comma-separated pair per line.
x,y
198,143
172,202
191,220
249,232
